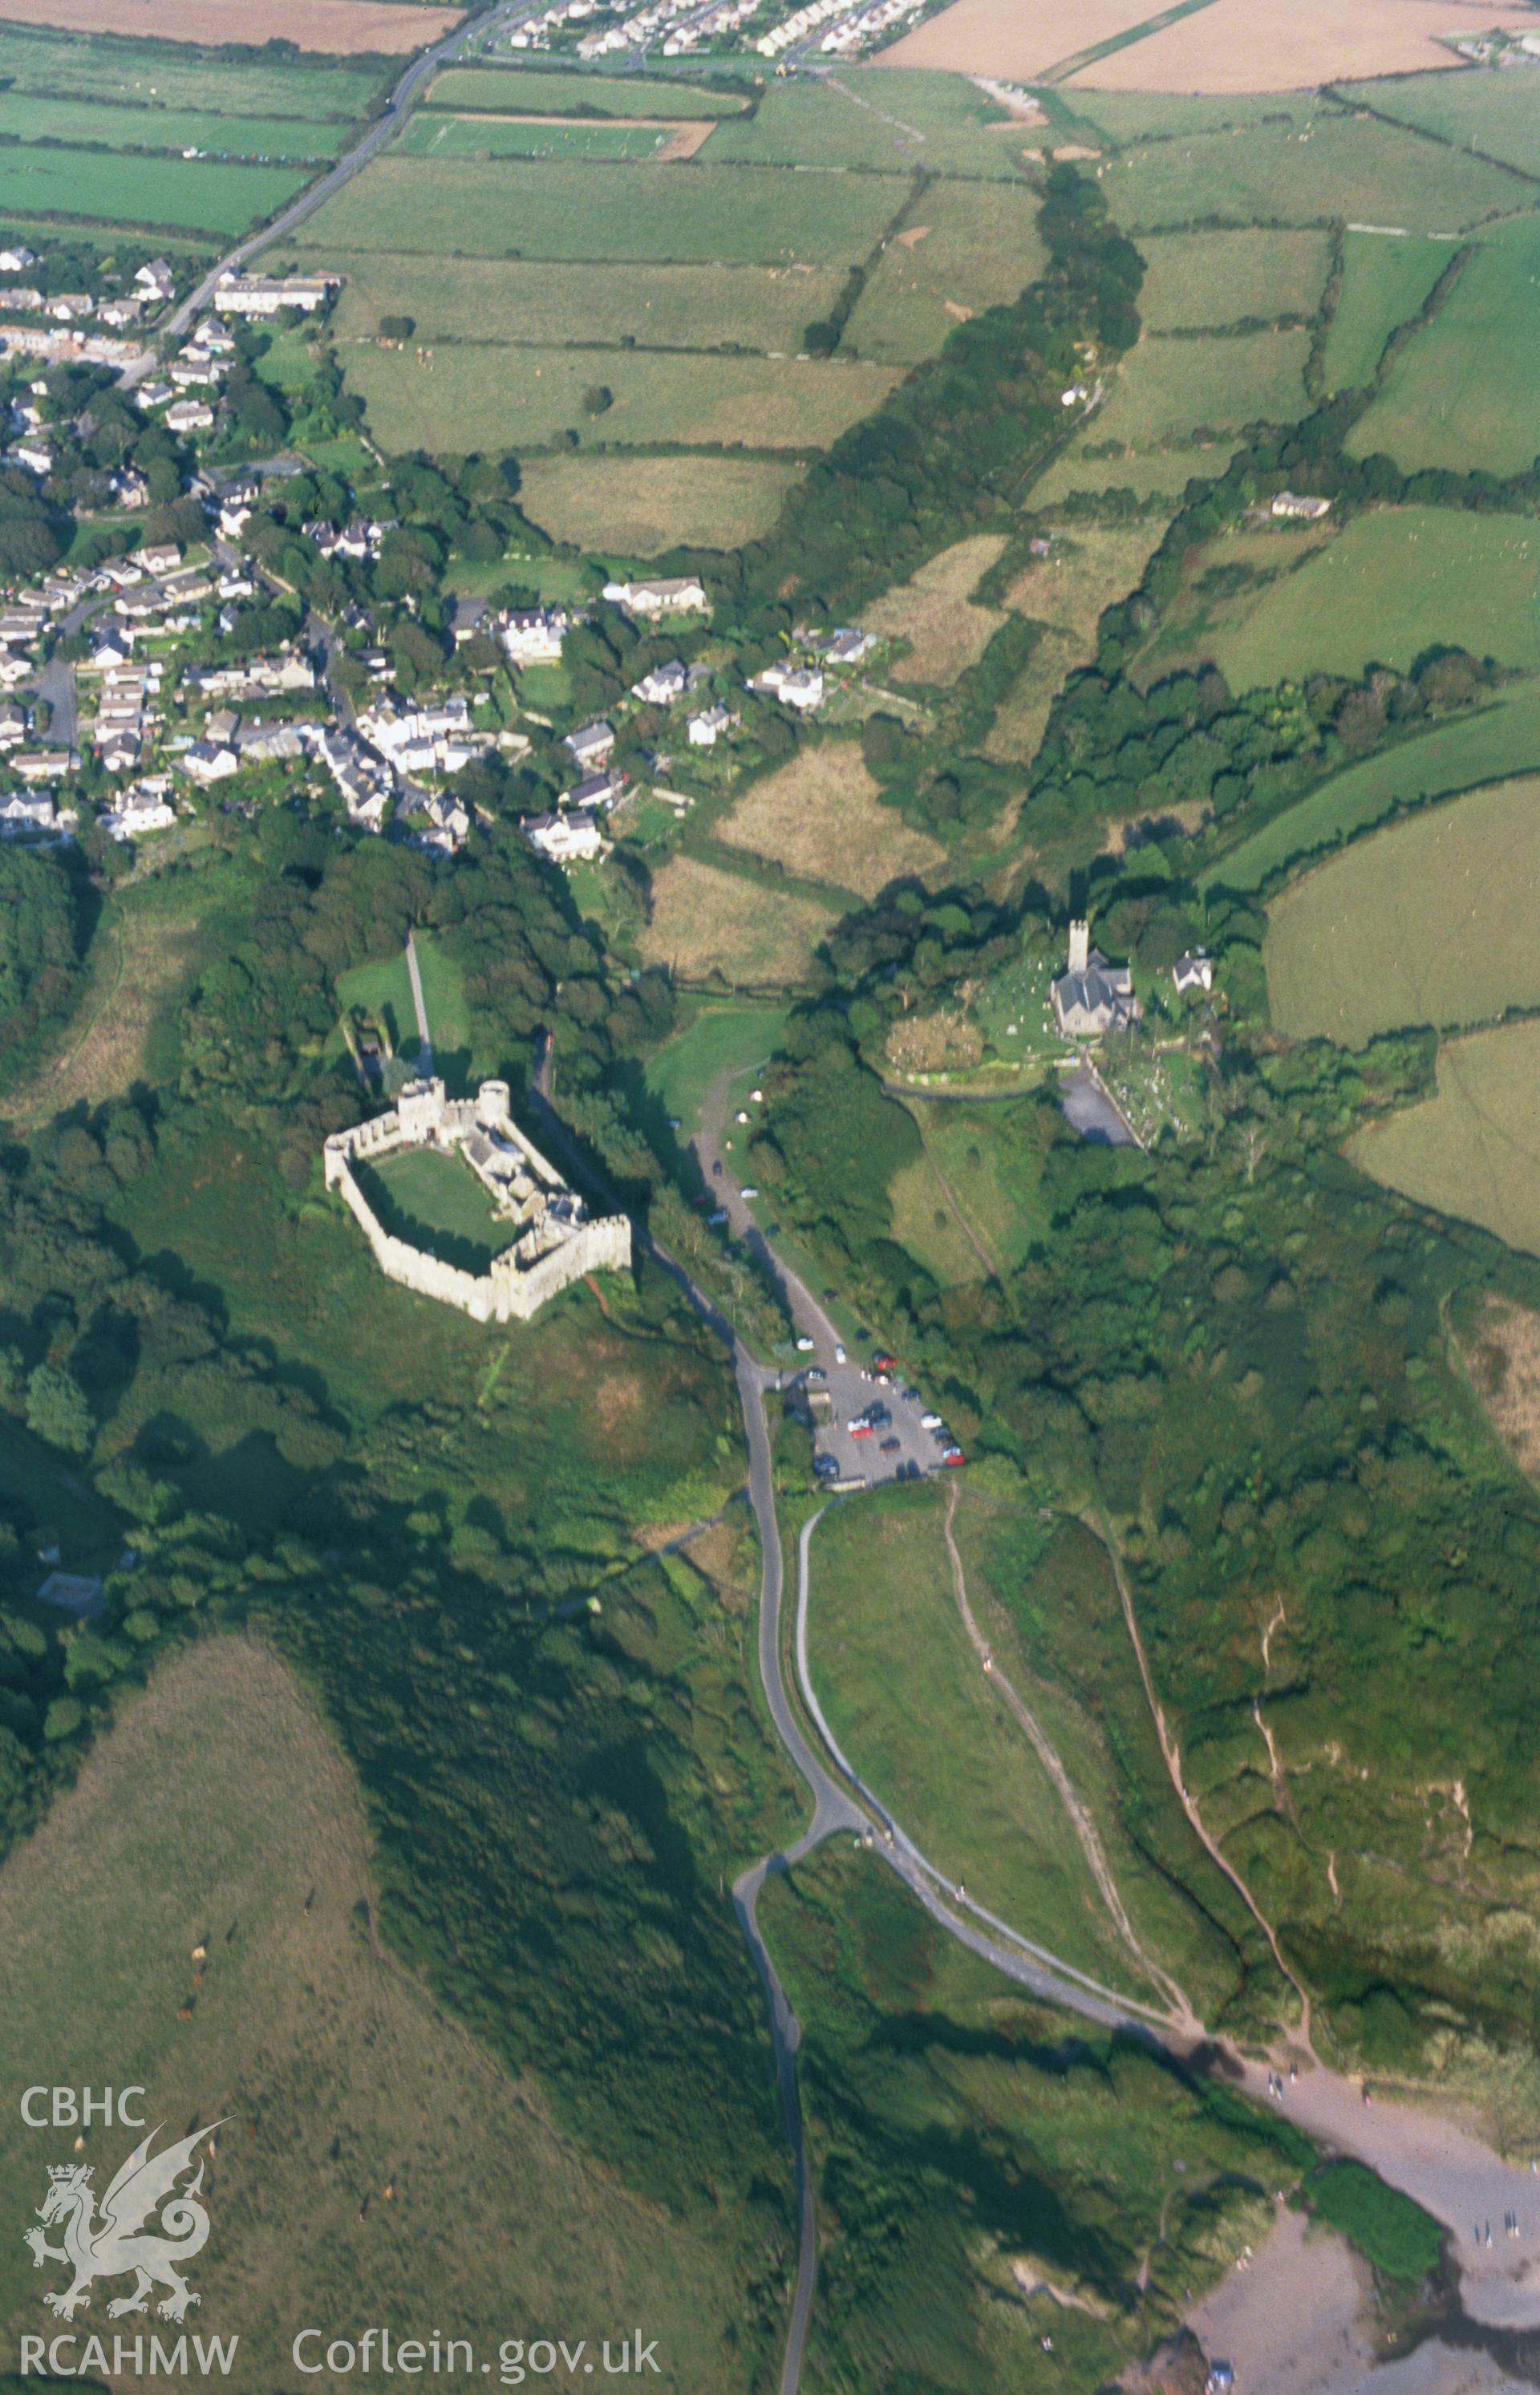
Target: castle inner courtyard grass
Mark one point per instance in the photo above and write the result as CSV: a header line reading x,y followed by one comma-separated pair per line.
x,y
436,1201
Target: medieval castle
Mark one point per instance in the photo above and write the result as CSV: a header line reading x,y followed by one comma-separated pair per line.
x,y
558,1240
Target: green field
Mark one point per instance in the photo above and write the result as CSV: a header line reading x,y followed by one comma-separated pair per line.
x,y
1129,118
363,2085
1500,738
559,209
83,66
1331,165
1475,108
1383,283
913,1709
497,299
1430,920
1472,1151
1148,474
27,117
642,505
534,92
1388,586
436,1201
1166,390
966,246
1461,393
102,187
890,119
1216,278
991,1167
487,398
737,1039
432,134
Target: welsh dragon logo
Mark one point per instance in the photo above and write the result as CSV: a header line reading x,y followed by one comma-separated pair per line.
x,y
119,2242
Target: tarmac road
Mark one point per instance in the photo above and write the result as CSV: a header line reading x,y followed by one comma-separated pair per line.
x,y
384,130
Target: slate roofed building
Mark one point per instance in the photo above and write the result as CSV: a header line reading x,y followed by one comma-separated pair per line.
x,y
1194,971
1092,996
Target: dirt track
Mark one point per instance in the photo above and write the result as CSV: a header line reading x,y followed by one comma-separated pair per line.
x,y
337,27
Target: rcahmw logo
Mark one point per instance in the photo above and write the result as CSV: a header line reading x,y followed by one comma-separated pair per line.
x,y
147,2225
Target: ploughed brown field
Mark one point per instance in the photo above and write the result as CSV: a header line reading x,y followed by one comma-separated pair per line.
x,y
337,27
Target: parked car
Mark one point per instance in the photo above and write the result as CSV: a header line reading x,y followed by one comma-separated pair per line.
x,y
862,1430
839,1352
891,1446
930,1422
815,1376
954,1457
716,1170
804,1345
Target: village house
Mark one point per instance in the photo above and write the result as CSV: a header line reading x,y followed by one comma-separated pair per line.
x,y
591,743
207,762
22,812
264,295
798,686
661,684
156,280
1291,507
1092,996
847,646
15,259
135,811
598,790
13,724
564,838
43,764
533,636
676,595
190,416
704,730
1194,971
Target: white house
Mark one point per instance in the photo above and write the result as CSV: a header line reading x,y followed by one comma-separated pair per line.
x,y
16,261
564,838
190,416
533,636
798,686
135,813
661,684
705,729
20,812
207,762
1195,971
1293,507
264,295
676,595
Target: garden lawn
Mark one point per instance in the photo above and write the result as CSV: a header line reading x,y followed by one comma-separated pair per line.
x,y
1388,586
1430,920
436,1201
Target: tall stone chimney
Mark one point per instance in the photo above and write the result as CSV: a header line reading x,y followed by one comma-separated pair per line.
x,y
1080,946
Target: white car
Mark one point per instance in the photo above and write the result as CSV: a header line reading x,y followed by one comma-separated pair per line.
x,y
930,1422
804,1345
838,1354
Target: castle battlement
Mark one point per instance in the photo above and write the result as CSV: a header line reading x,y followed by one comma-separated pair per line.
x,y
558,1241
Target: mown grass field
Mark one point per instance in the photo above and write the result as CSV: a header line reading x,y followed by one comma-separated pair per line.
x,y
738,1040
434,133
469,398
537,92
74,66
496,299
640,506
559,209
1167,390
882,118
967,246
1500,740
1428,922
821,817
26,116
1473,1150
435,1202
1305,172
1461,392
1217,279
102,187
220,1813
1474,107
1383,283
913,1709
1388,586
709,923
947,629
1126,118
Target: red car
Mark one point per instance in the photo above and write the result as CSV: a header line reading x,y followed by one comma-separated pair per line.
x,y
954,1457
862,1430
885,1363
